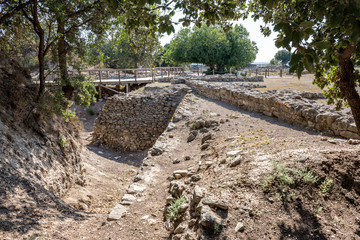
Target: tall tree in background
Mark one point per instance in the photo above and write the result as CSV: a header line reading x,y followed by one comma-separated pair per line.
x,y
127,50
283,56
214,47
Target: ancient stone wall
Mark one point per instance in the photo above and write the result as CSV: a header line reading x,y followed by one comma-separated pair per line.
x,y
133,122
212,78
289,106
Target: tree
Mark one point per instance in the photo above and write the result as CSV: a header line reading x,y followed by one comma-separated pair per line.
x,y
212,46
123,50
283,56
274,62
326,36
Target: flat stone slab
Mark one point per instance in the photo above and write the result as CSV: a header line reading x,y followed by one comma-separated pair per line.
x,y
135,188
117,212
128,198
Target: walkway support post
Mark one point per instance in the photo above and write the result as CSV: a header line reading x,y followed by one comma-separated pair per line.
x,y
99,86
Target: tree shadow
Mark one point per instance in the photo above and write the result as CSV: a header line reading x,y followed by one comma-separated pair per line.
x,y
307,227
131,158
357,232
24,203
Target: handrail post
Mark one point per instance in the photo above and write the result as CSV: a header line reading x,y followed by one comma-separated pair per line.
x,y
99,84
152,75
119,73
135,74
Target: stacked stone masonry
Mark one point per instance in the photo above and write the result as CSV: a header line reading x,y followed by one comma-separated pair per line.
x,y
213,78
289,106
133,122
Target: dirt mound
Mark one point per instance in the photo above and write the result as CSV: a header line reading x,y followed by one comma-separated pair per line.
x,y
39,158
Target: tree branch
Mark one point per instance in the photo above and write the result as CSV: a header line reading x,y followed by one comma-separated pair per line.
x,y
13,11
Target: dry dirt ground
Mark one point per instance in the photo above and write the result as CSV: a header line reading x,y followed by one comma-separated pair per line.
x,y
289,82
257,198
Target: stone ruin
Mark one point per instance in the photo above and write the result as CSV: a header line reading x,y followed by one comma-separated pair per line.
x,y
133,122
294,107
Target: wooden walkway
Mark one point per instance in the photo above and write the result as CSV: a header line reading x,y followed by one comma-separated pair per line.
x,y
127,77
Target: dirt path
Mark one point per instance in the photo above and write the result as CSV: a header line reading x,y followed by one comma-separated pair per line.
x,y
261,139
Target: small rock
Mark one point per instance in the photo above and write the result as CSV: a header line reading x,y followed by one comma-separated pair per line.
x,y
187,158
233,153
213,114
128,198
183,208
171,126
181,228
135,188
331,141
198,194
239,227
323,139
205,146
192,222
216,203
192,135
177,188
137,178
353,141
183,173
206,137
195,177
177,117
236,161
208,163
171,136
176,161
157,149
169,199
208,218
83,206
117,212
222,121
177,176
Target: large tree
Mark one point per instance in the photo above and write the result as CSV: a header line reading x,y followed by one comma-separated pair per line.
x,y
124,50
213,46
283,56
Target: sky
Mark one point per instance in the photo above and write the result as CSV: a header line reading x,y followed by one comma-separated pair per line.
x,y
266,45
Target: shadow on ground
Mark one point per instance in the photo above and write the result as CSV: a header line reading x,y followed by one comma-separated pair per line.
x,y
23,214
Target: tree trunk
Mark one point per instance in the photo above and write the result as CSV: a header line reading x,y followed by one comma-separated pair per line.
x,y
41,58
62,50
347,83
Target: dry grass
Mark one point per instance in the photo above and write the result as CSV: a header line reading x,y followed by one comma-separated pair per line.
x,y
290,83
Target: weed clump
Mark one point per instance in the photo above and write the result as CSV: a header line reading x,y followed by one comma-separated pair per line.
x,y
173,212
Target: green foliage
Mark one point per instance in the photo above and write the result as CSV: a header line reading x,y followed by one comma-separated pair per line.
x,y
173,213
325,186
127,50
308,177
274,62
63,141
212,46
283,56
91,111
283,179
85,90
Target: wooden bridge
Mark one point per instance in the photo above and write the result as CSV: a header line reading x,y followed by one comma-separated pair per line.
x,y
128,76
